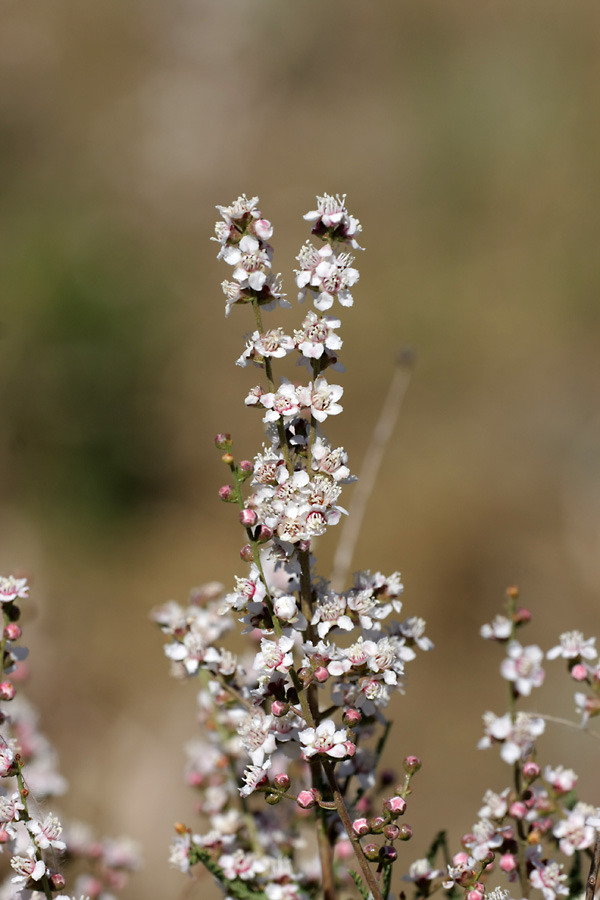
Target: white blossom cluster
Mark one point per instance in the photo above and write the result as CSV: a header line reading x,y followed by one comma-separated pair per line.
x,y
33,841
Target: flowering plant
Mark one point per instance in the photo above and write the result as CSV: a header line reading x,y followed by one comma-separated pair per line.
x,y
287,765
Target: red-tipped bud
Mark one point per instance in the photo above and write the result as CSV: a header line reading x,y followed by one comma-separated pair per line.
x,y
531,770
395,805
361,827
387,855
12,632
306,799
578,672
371,851
522,616
228,459
282,781
246,468
223,441
246,553
512,592
57,881
227,493
248,517
391,832
7,690
350,748
321,674
351,716
264,534
279,708
412,764
405,832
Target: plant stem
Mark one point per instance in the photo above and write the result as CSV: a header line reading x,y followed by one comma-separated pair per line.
x,y
343,814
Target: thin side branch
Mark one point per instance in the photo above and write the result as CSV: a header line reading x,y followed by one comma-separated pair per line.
x,y
370,468
592,881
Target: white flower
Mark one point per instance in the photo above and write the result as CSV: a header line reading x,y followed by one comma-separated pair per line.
x,y
317,335
47,833
323,399
257,739
574,832
325,739
12,588
242,865
27,867
500,629
549,878
330,612
523,667
253,775
561,779
516,738
331,214
275,656
572,645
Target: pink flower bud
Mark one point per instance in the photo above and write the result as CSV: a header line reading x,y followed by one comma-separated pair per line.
x,y
476,894
377,823
460,859
508,862
12,632
321,674
5,837
405,832
279,708
246,468
282,781
58,881
579,672
7,690
467,839
522,616
395,805
246,553
263,229
361,827
223,441
391,832
350,748
306,800
351,716
248,517
412,764
264,534
387,855
517,810
371,851
531,770
227,493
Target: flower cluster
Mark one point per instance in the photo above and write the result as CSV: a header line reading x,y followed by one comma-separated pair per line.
x,y
36,841
298,723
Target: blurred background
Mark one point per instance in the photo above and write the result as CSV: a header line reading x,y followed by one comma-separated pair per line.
x,y
467,138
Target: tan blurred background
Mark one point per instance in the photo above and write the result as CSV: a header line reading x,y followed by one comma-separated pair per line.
x,y
467,138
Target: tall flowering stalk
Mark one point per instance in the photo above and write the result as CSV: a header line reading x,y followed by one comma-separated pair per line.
x,y
293,733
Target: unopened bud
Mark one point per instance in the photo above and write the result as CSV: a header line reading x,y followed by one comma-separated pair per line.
x,y
282,781
395,805
223,441
306,799
262,229
7,690
279,708
578,671
351,716
387,855
264,534
246,553
228,459
391,832
405,832
522,616
227,493
531,770
377,823
361,827
12,632
57,881
273,799
321,674
517,810
246,468
248,517
512,592
412,764
371,851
